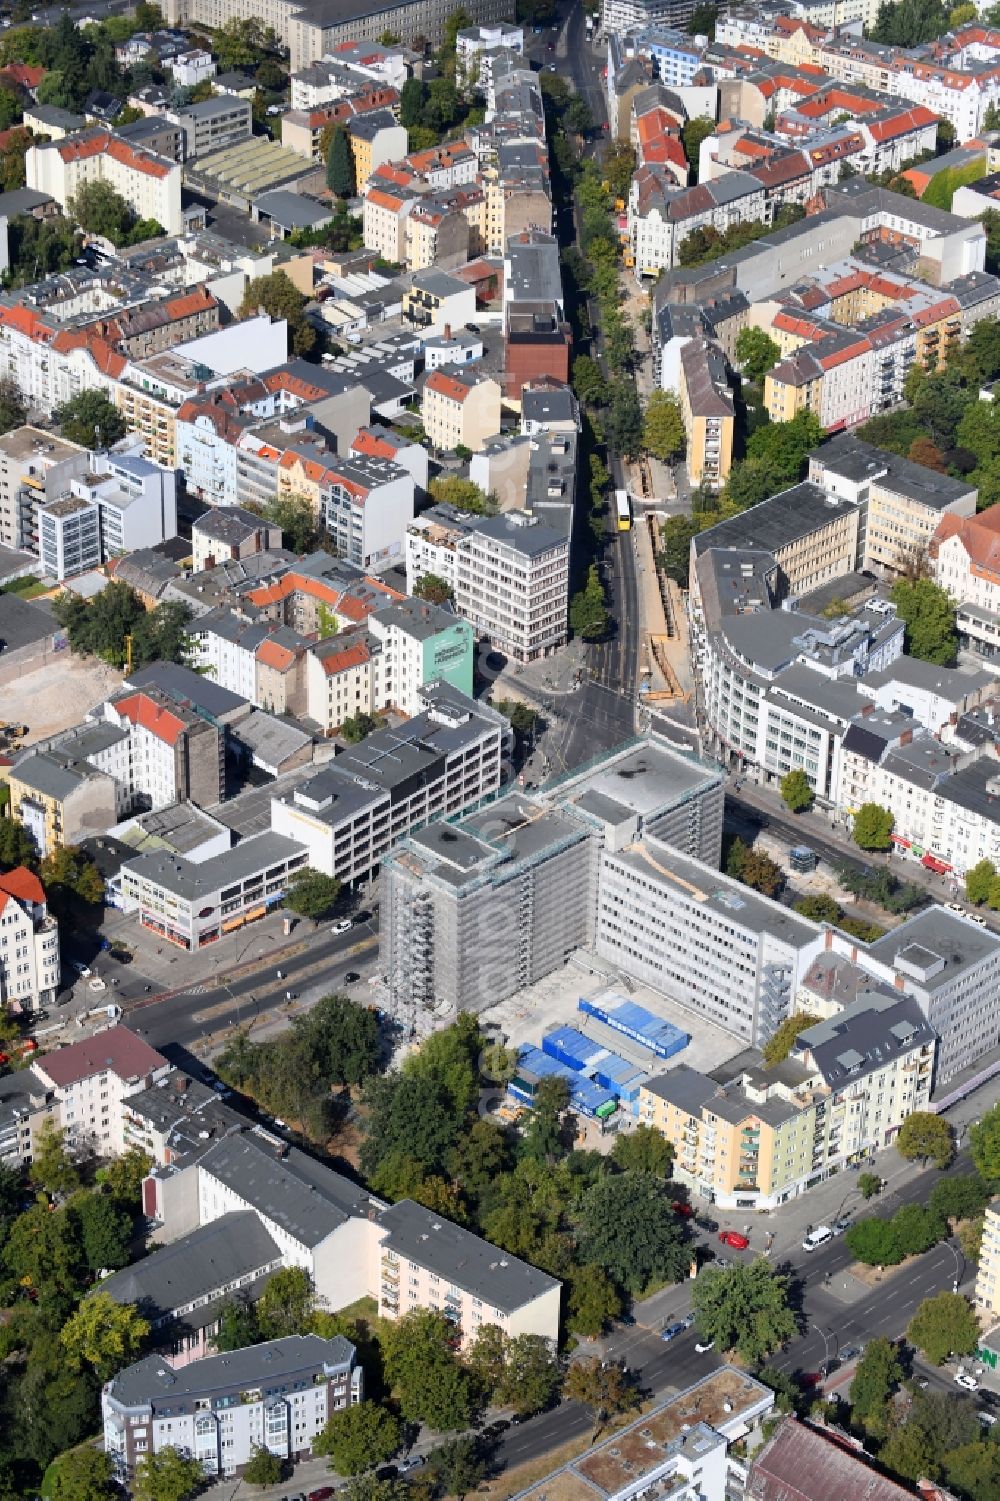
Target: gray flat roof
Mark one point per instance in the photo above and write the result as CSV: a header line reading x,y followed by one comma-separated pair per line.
x,y
190,881
22,622
952,683
293,210
274,1366
684,1087
522,532
185,686
498,1278
195,1266
941,934
776,523
847,455
303,1197
43,774
646,780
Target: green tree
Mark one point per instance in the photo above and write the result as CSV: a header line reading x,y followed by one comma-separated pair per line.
x,y
587,381
486,1358
692,135
544,1137
84,1474
876,1377
238,1325
278,297
358,1438
644,1150
593,1302
628,1227
782,1039
100,210
105,1231
358,727
873,827
265,1469
51,1165
411,102
917,1228
928,616
762,873
13,408
123,1175
340,164
166,1476
984,1143
16,845
411,1116
530,1379
312,894
782,447
677,534
624,417
602,1386
973,1470
874,1242
91,420
819,908
421,1367
869,1184
588,610
103,1334
797,791
928,1137
944,1325
744,1308
434,589
286,1305
908,1452
959,1196
756,352
458,1465
462,494
978,881
663,426
907,23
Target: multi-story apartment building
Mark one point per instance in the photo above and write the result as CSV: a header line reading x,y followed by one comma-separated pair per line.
x,y
125,503
150,184
366,504
89,1083
460,408
988,1271
952,967
630,15
906,505
276,1396
727,954
709,415
352,1244
767,1135
29,943
35,467
963,557
194,904
420,643
442,762
473,913
213,123
61,799
219,536
512,584
182,1288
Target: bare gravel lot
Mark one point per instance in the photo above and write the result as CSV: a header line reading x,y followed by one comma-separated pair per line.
x,y
58,695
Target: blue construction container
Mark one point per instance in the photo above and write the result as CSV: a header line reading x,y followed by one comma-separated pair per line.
x,y
632,1020
571,1047
586,1097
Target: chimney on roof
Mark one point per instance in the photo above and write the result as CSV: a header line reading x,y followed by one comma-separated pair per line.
x,y
180,1083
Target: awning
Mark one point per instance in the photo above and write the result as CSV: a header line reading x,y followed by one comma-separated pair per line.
x,y
931,862
898,839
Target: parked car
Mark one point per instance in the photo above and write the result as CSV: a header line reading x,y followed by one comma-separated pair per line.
x,y
734,1239
722,1263
362,916
684,1210
351,976
839,1226
323,1493
977,917
849,1352
413,1463
82,969
671,1331
966,1382
343,925
703,1349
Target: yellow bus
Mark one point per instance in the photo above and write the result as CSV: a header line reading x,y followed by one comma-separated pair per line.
x,y
624,511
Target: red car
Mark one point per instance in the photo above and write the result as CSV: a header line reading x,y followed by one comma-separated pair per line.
x,y
684,1210
734,1238
323,1494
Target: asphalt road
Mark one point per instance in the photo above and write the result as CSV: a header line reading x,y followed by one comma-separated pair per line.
x,y
181,1020
827,1322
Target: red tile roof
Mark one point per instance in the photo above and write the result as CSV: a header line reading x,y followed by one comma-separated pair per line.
x,y
802,1464
142,710
446,385
22,884
272,655
118,1050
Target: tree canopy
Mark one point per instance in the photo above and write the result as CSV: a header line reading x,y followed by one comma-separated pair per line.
x,y
928,616
91,420
744,1308
628,1227
873,827
944,1325
278,296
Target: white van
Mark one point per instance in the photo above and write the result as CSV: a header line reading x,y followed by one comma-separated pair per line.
x,y
817,1237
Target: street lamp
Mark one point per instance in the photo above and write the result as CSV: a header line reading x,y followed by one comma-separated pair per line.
x,y
959,1265
826,1347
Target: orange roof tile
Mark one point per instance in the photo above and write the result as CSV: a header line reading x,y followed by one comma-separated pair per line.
x,y
344,660
273,655
446,385
22,884
140,709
